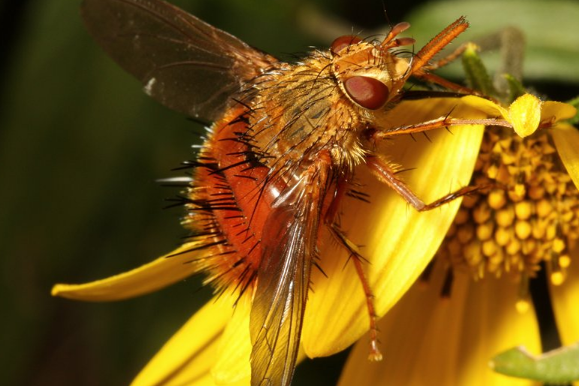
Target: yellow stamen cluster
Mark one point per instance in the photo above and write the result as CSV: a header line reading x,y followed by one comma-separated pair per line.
x,y
526,211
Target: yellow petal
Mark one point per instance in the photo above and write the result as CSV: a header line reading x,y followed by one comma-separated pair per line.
x,y
150,277
412,341
566,139
486,106
432,341
186,359
525,114
492,324
235,347
397,241
557,111
565,298
208,380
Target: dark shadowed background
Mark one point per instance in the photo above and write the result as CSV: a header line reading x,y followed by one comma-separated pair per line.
x,y
81,147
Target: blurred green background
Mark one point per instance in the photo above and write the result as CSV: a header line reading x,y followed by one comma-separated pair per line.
x,y
81,147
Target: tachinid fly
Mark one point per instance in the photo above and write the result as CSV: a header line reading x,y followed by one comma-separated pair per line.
x,y
282,152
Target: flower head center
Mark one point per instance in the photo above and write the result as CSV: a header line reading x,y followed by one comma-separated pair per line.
x,y
526,212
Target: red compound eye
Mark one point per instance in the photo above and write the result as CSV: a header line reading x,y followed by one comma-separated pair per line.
x,y
342,42
367,92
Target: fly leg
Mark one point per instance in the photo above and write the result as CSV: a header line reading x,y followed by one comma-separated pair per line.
x,y
421,63
340,236
424,73
374,135
386,174
508,41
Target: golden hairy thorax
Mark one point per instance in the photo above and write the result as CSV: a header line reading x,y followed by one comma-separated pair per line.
x,y
305,108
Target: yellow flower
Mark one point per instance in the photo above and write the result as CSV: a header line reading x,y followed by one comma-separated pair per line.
x,y
524,218
214,346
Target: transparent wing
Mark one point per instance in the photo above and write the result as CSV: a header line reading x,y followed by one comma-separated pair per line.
x,y
183,62
289,245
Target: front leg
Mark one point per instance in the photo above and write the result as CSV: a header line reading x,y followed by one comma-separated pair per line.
x,y
387,174
374,135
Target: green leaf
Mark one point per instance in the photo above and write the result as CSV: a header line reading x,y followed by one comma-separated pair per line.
x,y
476,73
575,103
556,366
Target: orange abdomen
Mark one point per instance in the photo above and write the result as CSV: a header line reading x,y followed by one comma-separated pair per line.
x,y
229,202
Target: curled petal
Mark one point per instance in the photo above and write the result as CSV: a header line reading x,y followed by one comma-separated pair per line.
x,y
525,114
150,277
396,240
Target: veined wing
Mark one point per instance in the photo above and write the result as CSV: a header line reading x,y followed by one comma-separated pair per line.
x,y
183,62
289,246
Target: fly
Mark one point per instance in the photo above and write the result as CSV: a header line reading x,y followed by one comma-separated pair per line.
x,y
281,154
